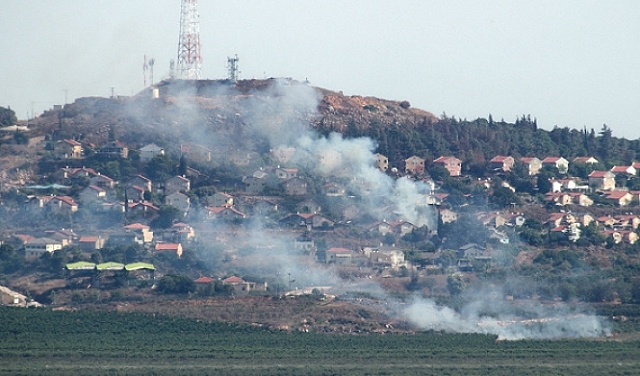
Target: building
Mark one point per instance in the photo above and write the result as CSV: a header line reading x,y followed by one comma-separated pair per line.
x,y
452,164
414,165
38,247
381,162
501,162
67,149
533,164
176,184
338,256
169,247
557,162
150,151
603,180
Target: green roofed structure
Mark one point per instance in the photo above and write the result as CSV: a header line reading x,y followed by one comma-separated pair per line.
x,y
81,265
139,266
110,266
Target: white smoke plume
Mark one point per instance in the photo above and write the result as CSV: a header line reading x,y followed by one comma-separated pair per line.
x,y
285,122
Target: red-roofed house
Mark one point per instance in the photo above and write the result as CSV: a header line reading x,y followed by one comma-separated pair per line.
x,y
143,231
170,247
452,164
62,204
92,194
558,162
604,180
220,199
620,198
585,160
624,170
225,212
91,243
102,181
67,149
502,162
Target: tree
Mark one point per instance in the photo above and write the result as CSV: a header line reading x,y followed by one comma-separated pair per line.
x,y
176,284
7,117
166,216
504,197
456,285
21,138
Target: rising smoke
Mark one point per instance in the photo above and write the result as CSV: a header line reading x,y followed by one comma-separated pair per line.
x,y
281,114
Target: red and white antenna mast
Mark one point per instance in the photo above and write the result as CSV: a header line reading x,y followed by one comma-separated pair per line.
x,y
189,59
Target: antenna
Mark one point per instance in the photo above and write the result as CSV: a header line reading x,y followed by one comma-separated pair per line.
x,y
232,68
189,59
145,66
151,62
172,69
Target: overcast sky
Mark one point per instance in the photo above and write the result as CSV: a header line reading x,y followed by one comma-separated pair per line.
x,y
569,63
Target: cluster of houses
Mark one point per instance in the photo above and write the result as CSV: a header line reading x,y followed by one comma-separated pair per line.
x,y
168,240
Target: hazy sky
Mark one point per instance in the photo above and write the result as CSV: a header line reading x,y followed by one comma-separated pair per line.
x,y
567,62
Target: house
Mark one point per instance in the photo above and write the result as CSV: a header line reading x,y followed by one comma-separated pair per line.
x,y
74,173
585,160
91,243
387,256
533,164
176,184
66,149
169,247
333,189
580,199
64,236
124,239
602,180
240,286
381,162
203,283
501,162
624,170
620,198
143,208
310,220
143,232
38,247
556,162
264,206
135,193
559,198
620,236
92,194
286,173
452,164
114,149
472,250
447,216
382,227
196,152
402,228
224,212
150,151
141,181
304,244
338,256
179,201
628,221
179,233
414,165
607,221
62,204
220,199
295,186
102,181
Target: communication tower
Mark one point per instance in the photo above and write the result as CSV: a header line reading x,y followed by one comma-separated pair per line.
x,y
232,68
189,59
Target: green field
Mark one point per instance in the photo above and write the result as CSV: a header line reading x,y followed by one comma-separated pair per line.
x,y
43,342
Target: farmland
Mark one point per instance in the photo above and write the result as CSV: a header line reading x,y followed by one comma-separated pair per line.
x,y
41,341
